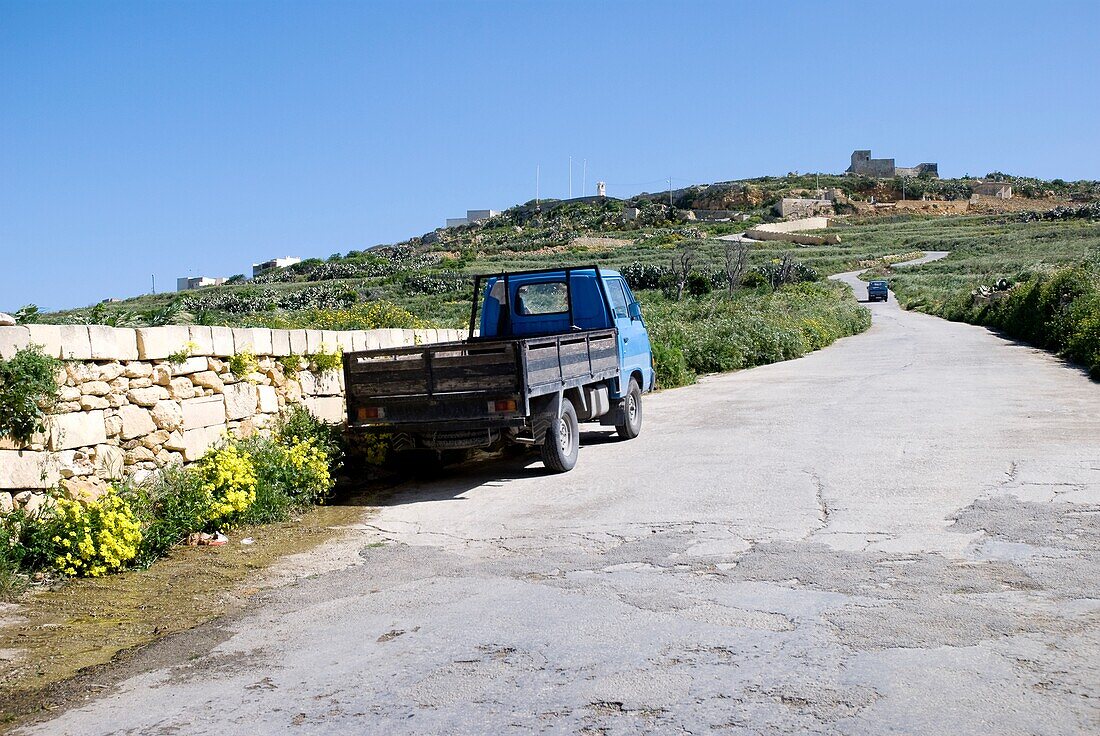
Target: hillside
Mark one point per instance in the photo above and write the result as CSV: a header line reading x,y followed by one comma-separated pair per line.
x,y
778,293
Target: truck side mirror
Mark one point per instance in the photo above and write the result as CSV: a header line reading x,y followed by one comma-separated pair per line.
x,y
634,310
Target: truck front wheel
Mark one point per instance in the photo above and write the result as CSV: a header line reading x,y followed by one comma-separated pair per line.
x,y
632,412
563,438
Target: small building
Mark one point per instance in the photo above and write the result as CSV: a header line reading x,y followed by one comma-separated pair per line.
x,y
801,207
258,268
997,189
884,168
472,216
187,283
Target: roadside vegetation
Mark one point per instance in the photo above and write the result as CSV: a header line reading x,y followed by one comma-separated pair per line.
x,y
240,482
1033,276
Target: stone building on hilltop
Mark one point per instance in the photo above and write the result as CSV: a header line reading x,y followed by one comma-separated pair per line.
x,y
884,168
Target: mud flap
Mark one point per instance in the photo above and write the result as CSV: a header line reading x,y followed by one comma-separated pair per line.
x,y
544,410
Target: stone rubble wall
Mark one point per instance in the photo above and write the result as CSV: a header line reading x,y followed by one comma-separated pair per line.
x,y
126,410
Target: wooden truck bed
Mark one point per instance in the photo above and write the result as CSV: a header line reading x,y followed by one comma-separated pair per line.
x,y
444,383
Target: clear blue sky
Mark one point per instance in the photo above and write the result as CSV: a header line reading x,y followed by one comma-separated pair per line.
x,y
176,138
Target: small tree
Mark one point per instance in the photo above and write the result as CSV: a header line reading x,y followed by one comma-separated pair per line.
x,y
682,262
737,258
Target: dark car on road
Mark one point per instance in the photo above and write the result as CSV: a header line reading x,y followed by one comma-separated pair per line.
x,y
878,290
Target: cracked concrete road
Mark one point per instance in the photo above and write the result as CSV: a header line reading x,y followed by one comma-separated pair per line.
x,y
897,534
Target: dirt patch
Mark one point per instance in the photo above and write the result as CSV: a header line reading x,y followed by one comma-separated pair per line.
x,y
55,644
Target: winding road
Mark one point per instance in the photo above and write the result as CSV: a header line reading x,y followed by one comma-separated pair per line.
x,y
897,534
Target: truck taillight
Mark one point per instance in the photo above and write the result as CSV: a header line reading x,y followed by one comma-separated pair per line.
x,y
371,412
502,405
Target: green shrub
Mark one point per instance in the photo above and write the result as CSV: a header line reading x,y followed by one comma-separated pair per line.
x,y
170,507
671,366
295,424
242,363
86,537
28,389
325,360
289,477
716,332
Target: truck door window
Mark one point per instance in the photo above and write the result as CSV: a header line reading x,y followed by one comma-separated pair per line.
x,y
617,296
547,297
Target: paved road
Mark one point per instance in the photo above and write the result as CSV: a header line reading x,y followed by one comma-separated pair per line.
x,y
897,534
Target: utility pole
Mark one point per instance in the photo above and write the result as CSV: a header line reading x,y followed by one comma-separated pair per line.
x,y
903,182
584,178
536,185
570,177
670,193
154,278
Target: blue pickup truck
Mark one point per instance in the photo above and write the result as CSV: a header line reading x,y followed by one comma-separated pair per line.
x,y
550,349
877,290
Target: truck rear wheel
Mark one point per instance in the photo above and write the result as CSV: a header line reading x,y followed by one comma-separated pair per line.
x,y
632,411
563,439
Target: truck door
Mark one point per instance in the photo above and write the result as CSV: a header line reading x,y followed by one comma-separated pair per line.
x,y
633,339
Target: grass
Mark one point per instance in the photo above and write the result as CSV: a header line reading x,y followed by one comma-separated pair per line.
x,y
717,332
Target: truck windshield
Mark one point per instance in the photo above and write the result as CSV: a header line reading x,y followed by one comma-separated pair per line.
x,y
546,297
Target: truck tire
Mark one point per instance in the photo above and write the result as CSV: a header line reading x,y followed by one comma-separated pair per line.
x,y
632,410
563,439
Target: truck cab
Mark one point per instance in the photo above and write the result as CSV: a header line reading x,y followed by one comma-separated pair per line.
x,y
540,303
548,350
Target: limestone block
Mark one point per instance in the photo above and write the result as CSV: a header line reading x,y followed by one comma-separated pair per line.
x,y
240,401
155,439
139,454
223,341
47,336
90,403
130,383
314,338
218,366
113,343
243,341
308,382
167,415
110,371
330,340
261,340
113,425
208,379
95,388
207,411
189,366
280,342
69,393
135,422
174,441
25,469
162,375
197,441
181,388
109,462
137,369
293,392
326,408
201,339
7,505
79,429
157,343
75,342
12,340
345,341
72,463
147,397
269,400
298,342
328,383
